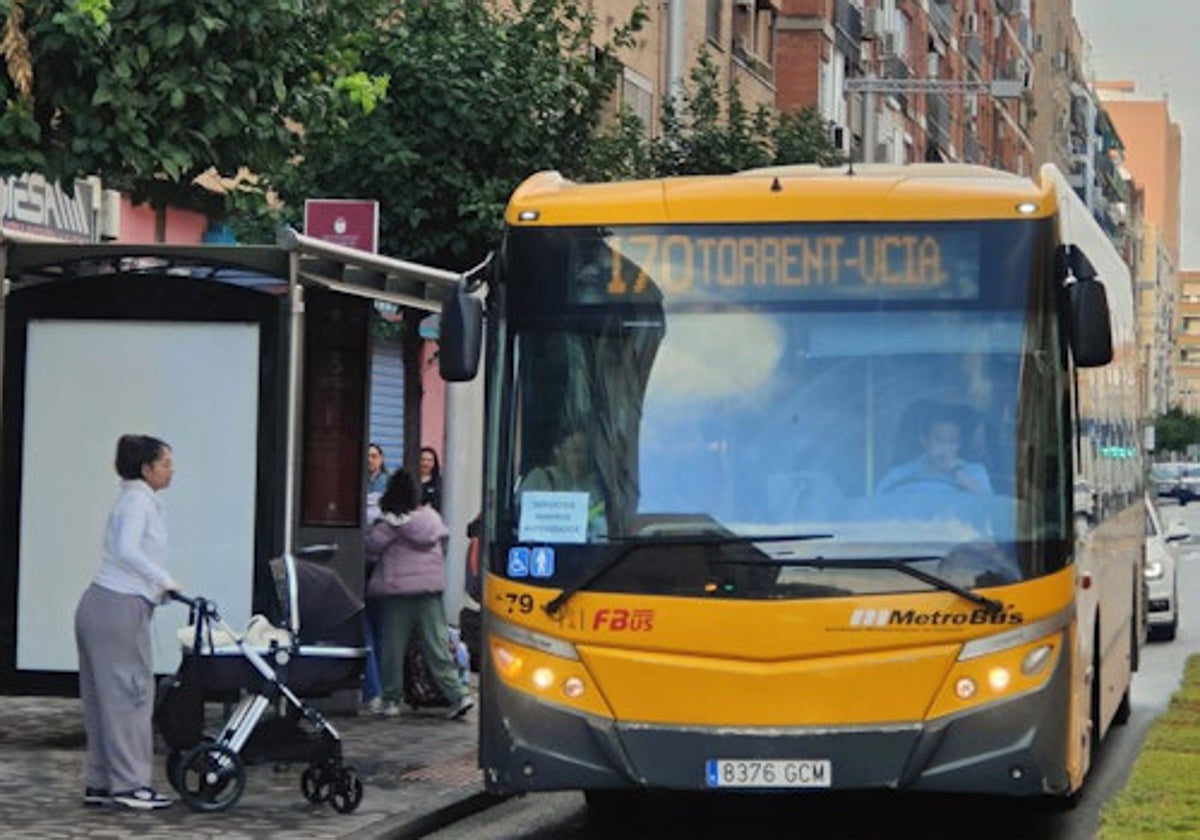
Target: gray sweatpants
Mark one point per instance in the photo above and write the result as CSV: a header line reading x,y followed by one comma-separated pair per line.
x,y
116,685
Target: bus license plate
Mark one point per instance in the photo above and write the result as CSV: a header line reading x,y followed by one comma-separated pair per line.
x,y
773,773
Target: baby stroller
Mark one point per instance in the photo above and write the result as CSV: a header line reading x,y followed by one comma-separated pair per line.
x,y
316,648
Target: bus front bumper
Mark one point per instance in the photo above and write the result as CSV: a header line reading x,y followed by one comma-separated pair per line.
x,y
1015,747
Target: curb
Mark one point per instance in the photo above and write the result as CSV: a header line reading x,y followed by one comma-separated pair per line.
x,y
411,827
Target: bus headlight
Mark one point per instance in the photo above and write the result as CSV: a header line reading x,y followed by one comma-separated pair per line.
x,y
545,676
1154,569
986,676
1036,659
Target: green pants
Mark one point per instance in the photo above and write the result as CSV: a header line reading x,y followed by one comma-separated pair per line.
x,y
422,619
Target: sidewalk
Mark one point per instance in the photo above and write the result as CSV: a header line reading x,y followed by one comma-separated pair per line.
x,y
413,768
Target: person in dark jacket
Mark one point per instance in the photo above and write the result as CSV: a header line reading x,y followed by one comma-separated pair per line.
x,y
409,576
431,478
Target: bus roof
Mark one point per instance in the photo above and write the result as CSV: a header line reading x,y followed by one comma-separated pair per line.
x,y
874,192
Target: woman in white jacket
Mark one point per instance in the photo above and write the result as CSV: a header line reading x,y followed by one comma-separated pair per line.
x,y
112,632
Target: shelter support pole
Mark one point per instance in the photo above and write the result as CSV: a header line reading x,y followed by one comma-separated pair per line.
x,y
293,399
462,482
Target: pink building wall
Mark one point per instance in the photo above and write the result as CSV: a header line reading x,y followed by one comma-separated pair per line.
x,y
139,224
433,402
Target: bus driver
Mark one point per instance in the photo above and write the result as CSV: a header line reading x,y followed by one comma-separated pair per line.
x,y
940,463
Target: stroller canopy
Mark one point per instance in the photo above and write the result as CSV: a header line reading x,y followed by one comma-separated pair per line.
x,y
327,612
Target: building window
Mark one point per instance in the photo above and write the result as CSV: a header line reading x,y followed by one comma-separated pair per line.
x,y
712,20
754,34
637,94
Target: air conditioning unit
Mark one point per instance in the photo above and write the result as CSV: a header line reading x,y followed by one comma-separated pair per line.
x,y
875,24
971,107
110,214
1060,60
887,43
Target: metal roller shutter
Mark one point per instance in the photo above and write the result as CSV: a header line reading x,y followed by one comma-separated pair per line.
x,y
387,400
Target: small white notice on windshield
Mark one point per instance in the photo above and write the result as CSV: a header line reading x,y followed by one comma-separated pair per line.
x,y
553,517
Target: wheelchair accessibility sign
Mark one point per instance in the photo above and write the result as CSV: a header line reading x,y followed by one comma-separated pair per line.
x,y
531,562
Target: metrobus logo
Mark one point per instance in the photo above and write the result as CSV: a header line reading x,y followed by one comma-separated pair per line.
x,y
932,618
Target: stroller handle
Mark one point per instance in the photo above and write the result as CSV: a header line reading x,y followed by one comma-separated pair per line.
x,y
176,595
202,605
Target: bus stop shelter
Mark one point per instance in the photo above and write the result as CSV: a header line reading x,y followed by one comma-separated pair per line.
x,y
250,362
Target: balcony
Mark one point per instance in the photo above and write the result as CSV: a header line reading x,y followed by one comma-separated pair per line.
x,y
848,30
939,16
937,118
973,47
895,67
972,150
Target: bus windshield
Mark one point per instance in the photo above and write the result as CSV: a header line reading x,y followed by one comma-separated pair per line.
x,y
666,391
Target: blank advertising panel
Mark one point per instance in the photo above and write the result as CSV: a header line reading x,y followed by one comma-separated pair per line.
x,y
194,385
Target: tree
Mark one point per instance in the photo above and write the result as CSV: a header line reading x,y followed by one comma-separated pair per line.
x,y
148,94
1175,430
482,95
710,130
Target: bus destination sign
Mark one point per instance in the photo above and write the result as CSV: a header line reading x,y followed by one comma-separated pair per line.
x,y
782,263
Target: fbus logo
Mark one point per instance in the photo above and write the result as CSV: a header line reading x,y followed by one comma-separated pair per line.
x,y
634,621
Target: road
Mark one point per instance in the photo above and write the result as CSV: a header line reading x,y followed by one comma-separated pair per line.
x,y
878,816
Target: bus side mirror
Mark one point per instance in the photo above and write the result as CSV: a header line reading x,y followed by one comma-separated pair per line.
x,y
1089,320
1091,331
460,335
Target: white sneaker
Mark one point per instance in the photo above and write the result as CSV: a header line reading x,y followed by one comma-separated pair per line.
x,y
374,706
142,799
460,708
391,710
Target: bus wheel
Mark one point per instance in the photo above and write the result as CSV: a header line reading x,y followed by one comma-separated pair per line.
x,y
1124,710
607,808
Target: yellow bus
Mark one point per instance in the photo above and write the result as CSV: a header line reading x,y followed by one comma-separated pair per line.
x,y
779,484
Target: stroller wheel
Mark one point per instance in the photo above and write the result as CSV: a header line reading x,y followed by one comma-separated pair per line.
x,y
347,791
211,777
316,783
175,759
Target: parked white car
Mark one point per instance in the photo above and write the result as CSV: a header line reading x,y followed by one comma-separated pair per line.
x,y
1162,590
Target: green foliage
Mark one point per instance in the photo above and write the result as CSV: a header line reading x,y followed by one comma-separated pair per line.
x,y
480,97
149,94
1175,430
710,131
1161,799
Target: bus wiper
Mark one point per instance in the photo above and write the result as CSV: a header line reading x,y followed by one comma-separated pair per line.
x,y
898,564
556,604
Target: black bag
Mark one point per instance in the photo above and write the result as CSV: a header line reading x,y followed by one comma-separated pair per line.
x,y
179,707
420,690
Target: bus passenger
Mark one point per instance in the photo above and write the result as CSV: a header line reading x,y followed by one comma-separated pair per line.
x,y
940,465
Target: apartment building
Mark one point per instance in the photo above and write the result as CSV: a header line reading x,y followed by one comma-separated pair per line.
x,y
1188,342
1153,153
739,36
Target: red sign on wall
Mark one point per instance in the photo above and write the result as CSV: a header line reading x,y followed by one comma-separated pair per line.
x,y
352,223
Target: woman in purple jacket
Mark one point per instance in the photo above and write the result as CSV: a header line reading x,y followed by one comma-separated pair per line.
x,y
409,576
